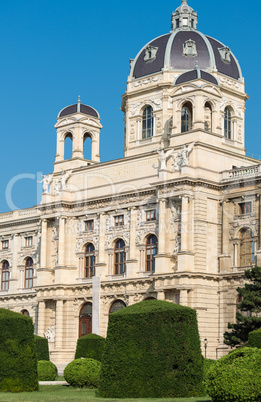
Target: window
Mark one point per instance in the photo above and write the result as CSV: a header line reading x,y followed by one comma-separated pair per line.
x,y
119,220
28,241
89,260
85,320
89,225
245,208
147,122
227,123
25,312
151,251
208,117
5,275
151,215
177,23
119,257
117,305
186,117
5,244
29,273
246,248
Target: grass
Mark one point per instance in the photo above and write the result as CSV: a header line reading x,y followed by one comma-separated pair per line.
x,y
60,393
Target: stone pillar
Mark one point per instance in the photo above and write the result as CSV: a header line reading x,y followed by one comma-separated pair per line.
x,y
102,227
185,256
59,147
162,226
161,295
183,298
96,294
61,246
13,282
95,148
59,324
235,254
41,318
43,244
131,263
185,223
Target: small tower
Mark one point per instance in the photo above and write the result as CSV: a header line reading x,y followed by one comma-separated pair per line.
x,y
77,122
184,17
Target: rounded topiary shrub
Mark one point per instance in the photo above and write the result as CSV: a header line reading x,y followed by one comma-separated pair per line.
x,y
208,363
236,377
18,364
152,350
91,346
254,339
47,371
83,373
42,348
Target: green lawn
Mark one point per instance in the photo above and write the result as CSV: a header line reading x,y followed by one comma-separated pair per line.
x,y
59,393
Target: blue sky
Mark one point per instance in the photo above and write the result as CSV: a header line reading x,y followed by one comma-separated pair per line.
x,y
54,50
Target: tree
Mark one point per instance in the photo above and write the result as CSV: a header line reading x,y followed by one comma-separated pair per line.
x,y
247,316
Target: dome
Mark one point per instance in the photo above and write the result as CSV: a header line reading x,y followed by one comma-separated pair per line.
x,y
183,48
78,108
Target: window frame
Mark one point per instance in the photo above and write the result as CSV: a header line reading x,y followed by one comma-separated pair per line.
x,y
119,220
151,215
89,258
151,249
5,244
228,132
89,225
245,249
119,257
5,277
29,273
186,123
245,207
28,241
147,122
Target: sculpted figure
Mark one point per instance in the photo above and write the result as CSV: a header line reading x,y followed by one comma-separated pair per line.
x,y
46,180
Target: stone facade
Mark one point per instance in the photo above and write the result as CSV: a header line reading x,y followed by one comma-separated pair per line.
x,y
189,190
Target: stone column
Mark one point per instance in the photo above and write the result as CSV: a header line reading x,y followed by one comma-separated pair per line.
x,y
185,224
59,324
41,318
102,227
95,148
96,293
132,261
43,244
61,246
183,298
162,226
59,147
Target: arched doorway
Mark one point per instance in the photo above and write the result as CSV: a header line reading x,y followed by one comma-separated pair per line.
x,y
85,320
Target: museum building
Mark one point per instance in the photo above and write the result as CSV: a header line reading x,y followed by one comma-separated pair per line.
x,y
176,219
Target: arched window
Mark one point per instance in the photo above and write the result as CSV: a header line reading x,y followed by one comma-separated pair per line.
x,y
208,117
186,117
29,273
25,312
87,146
246,248
151,251
85,320
5,275
119,257
228,123
68,146
147,122
117,305
89,260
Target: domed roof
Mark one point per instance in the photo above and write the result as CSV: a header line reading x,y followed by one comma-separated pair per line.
x,y
78,108
183,48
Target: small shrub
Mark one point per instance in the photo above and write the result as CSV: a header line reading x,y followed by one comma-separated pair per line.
x,y
18,364
42,348
83,373
91,346
236,377
47,371
254,339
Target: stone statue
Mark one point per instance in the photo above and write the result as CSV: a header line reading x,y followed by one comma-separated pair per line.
x,y
50,333
61,183
181,158
163,156
46,180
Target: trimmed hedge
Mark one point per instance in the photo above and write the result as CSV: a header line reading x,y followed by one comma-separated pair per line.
x,y
208,364
236,377
42,348
91,346
254,339
18,364
152,350
47,371
83,373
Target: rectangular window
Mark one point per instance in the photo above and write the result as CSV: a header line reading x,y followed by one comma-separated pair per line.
x,y
151,215
119,220
28,241
245,208
89,225
5,244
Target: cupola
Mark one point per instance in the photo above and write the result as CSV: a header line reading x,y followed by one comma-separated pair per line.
x,y
184,17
